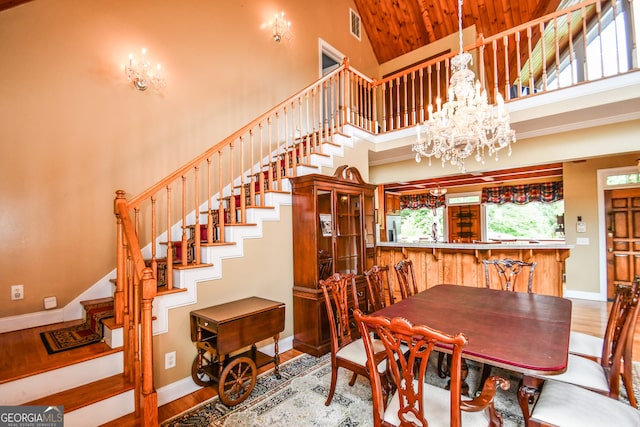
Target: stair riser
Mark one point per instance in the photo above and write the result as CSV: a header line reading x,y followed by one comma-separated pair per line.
x,y
101,412
36,386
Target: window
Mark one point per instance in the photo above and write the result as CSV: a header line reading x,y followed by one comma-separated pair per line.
x,y
464,199
623,179
601,60
418,224
531,221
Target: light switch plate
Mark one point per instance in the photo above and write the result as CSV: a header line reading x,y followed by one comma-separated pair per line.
x,y
582,241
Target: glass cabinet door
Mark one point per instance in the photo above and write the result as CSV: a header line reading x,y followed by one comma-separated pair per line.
x,y
370,220
348,233
325,234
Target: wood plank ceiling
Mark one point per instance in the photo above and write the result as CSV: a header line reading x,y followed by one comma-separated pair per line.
x,y
396,27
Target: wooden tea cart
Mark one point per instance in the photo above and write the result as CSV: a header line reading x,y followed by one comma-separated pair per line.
x,y
221,330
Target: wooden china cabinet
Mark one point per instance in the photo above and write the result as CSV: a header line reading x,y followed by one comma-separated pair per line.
x,y
333,232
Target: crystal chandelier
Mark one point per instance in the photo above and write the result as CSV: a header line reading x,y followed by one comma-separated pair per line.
x,y
466,123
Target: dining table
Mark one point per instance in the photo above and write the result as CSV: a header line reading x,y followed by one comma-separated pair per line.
x,y
522,332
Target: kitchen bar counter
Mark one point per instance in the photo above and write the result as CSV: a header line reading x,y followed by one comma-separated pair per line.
x,y
461,263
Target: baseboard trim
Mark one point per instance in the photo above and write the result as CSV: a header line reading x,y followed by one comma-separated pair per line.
x,y
31,320
591,296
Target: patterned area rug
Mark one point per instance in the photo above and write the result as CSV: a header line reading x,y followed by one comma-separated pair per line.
x,y
298,399
80,335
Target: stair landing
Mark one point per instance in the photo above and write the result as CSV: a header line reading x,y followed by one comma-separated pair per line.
x,y
24,354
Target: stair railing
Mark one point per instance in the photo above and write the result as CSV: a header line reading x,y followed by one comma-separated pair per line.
x,y
165,227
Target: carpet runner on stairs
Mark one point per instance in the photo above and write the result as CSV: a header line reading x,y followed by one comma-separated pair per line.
x,y
88,332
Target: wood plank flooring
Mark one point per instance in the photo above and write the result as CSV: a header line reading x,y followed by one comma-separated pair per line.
x,y
23,353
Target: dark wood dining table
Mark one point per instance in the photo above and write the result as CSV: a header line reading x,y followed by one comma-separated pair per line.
x,y
522,332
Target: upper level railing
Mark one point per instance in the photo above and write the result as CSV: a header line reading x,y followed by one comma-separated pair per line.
x,y
165,227
585,42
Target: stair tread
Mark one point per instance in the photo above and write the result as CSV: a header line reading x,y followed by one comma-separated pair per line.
x,y
96,301
86,394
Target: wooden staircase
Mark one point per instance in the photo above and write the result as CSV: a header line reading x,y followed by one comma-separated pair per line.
x,y
87,381
99,383
94,385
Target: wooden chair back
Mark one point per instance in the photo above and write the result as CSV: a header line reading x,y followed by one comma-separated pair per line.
x,y
617,348
378,281
505,273
410,346
325,264
628,368
336,296
406,278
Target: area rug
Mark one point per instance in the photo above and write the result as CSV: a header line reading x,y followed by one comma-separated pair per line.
x,y
79,335
298,399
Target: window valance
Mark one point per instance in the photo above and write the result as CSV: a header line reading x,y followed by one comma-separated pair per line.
x,y
545,192
417,201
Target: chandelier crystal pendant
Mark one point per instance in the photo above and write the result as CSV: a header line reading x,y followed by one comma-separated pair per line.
x,y
466,123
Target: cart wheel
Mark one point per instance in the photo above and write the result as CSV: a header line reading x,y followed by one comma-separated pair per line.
x,y
237,381
201,371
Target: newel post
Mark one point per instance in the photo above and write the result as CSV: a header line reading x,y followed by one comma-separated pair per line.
x,y
148,397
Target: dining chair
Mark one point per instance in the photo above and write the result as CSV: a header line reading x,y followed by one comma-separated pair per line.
x,y
347,350
504,276
616,361
588,345
325,264
563,404
505,273
377,281
406,278
413,401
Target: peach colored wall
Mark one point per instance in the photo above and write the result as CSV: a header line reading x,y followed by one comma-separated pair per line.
x,y
73,132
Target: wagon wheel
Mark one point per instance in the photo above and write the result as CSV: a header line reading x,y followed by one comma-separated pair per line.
x,y
201,369
237,381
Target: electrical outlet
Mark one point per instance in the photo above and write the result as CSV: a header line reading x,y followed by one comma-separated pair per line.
x,y
170,360
17,292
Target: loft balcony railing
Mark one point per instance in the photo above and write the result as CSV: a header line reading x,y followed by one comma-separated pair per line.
x,y
165,227
585,42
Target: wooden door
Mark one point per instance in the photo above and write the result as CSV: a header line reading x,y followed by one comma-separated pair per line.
x,y
623,237
464,223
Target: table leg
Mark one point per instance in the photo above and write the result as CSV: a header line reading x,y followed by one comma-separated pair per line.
x,y
276,356
529,387
464,373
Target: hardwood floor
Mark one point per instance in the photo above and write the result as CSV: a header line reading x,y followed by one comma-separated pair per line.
x,y
23,353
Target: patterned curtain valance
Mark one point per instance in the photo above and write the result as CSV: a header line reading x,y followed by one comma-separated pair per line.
x,y
545,192
417,201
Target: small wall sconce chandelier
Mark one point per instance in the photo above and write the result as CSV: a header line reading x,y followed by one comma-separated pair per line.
x,y
139,73
281,28
438,191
